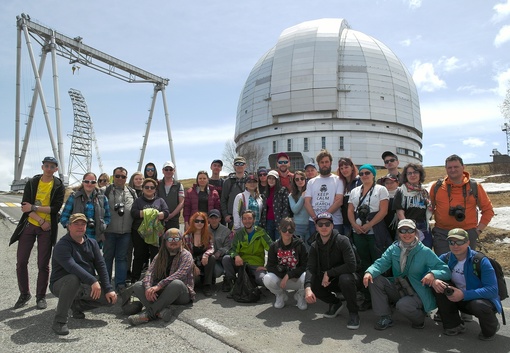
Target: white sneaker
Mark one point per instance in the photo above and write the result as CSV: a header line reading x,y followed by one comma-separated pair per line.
x,y
300,299
280,300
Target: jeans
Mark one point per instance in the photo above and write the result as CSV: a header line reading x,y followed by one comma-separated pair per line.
x,y
231,270
115,246
25,245
272,230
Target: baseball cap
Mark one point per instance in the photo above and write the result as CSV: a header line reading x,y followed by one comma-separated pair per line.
x,y
77,217
50,160
252,176
273,173
324,215
389,176
458,233
214,213
388,153
282,154
168,164
406,223
262,170
310,165
219,161
239,159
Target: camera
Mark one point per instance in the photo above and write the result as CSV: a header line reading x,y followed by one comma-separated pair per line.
x,y
363,211
448,291
282,268
119,207
404,287
91,223
458,212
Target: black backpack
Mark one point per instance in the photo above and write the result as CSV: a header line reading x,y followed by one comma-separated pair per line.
x,y
245,289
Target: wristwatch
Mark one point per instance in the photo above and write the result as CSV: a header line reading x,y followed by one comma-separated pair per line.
x,y
34,208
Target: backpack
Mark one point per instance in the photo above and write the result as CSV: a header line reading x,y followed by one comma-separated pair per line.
x,y
473,185
245,289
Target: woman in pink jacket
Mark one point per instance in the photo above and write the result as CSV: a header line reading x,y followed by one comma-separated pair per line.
x,y
201,197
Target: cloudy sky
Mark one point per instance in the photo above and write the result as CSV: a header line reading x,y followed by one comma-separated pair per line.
x,y
456,50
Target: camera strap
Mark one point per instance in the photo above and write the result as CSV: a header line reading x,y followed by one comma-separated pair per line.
x,y
369,194
449,190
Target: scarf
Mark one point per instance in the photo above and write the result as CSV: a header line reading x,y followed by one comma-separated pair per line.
x,y
418,192
405,249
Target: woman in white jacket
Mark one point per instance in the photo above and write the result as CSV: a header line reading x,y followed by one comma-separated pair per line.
x,y
249,199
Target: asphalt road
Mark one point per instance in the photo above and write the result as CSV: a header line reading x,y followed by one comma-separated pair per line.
x,y
214,324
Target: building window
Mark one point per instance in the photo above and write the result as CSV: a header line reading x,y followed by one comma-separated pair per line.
x,y
289,145
341,143
305,143
323,142
275,146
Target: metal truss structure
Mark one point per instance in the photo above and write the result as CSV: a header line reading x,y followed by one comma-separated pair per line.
x,y
76,52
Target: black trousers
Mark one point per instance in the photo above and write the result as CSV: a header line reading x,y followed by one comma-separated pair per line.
x,y
345,283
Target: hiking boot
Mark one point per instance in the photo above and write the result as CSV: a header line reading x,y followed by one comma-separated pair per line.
x,y
353,323
227,284
60,328
165,314
280,300
455,331
366,305
300,299
334,310
383,323
139,319
488,338
22,300
77,311
41,303
207,290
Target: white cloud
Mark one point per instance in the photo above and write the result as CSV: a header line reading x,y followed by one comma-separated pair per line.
x,y
503,80
438,145
449,64
502,36
425,77
468,156
405,42
496,144
473,142
414,4
502,11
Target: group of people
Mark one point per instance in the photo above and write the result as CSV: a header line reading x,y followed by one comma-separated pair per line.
x,y
326,237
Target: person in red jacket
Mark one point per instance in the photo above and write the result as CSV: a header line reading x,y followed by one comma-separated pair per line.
x,y
201,197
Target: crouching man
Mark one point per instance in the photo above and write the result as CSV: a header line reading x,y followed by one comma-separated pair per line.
x,y
76,260
471,293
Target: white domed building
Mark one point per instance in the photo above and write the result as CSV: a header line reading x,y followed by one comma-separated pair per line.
x,y
325,85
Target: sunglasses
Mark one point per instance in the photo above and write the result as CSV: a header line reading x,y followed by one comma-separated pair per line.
x,y
239,164
149,187
457,242
413,173
283,162
89,181
173,240
102,180
118,176
262,174
300,179
388,161
406,231
287,230
199,221
324,224
364,173
169,169
150,169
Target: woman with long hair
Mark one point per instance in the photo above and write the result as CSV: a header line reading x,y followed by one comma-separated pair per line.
x,y
88,200
348,173
250,199
412,201
297,206
103,180
199,242
276,206
150,171
201,197
135,183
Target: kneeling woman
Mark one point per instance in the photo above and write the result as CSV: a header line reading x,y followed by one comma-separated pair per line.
x,y
286,265
169,280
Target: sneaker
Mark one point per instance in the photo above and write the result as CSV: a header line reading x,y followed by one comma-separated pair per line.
x,y
466,317
207,290
165,314
353,323
334,310
77,311
138,319
41,303
227,284
366,305
437,317
22,300
280,300
383,323
488,338
60,328
455,331
299,296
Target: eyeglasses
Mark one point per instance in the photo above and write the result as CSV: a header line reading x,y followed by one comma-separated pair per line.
x,y
102,180
287,230
89,181
199,221
364,173
457,242
262,174
299,179
415,172
150,169
406,230
283,162
169,169
324,224
149,187
118,176
173,240
239,164
49,166
388,161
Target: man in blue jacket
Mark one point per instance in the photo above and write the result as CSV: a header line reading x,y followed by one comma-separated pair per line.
x,y
469,293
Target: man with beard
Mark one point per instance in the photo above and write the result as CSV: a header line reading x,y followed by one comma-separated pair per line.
x,y
324,193
282,166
